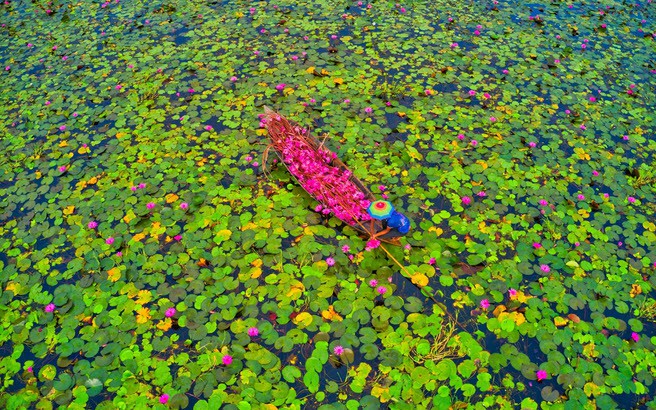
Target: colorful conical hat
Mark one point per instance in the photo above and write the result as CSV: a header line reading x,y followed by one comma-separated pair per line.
x,y
380,209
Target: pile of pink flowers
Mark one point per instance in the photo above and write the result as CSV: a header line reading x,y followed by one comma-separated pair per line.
x,y
317,170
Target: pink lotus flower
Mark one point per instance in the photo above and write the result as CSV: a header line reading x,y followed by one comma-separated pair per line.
x,y
118,87
368,110
512,292
474,143
164,398
170,312
178,238
50,307
454,45
338,350
93,225
543,202
280,86
227,360
381,290
373,283
631,199
142,185
537,245
580,197
253,332
346,248
493,119
541,375
545,268
150,205
485,303
466,200
62,128
532,144
461,137
109,241
372,244
432,261
184,205
330,261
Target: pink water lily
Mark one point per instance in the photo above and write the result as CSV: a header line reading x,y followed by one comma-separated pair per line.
x,y
372,244
226,359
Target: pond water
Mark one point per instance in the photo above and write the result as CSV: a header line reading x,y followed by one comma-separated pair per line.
x,y
148,261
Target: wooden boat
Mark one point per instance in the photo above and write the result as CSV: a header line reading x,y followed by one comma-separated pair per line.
x,y
325,177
